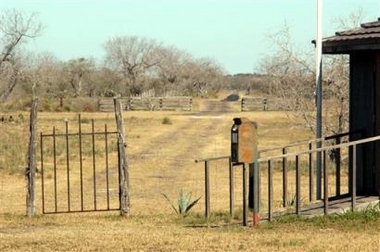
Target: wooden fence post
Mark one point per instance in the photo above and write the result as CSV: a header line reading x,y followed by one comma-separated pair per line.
x,y
31,169
123,164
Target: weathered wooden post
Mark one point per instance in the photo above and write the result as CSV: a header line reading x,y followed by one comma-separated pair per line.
x,y
124,198
30,172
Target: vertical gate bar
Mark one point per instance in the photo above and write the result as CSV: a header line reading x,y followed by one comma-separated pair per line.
x,y
207,189
93,160
232,199
338,170
68,167
270,189
325,186
42,173
80,161
245,222
107,166
311,174
298,187
284,179
55,171
353,189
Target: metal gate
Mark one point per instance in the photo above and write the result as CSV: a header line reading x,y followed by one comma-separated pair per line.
x,y
79,171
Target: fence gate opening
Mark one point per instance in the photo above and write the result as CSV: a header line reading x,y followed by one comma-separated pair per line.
x,y
79,171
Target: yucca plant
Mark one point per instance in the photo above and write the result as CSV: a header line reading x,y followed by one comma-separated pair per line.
x,y
184,203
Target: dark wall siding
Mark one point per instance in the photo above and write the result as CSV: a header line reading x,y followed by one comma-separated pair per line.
x,y
362,110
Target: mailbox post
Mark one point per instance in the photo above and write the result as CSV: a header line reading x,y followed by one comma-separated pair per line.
x,y
244,151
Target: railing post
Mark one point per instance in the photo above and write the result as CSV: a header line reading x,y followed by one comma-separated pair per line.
x,y
298,187
337,168
207,190
231,174
353,189
311,174
245,222
284,179
325,186
255,192
270,189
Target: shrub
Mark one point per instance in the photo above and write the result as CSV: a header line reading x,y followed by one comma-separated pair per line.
x,y
166,120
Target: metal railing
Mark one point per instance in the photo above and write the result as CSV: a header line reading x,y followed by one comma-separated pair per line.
x,y
352,148
331,157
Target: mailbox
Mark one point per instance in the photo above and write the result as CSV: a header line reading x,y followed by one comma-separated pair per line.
x,y
243,141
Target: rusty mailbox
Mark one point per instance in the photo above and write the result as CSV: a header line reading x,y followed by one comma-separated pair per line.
x,y
243,141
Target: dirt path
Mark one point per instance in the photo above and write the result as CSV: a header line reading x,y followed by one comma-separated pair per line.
x,y
216,106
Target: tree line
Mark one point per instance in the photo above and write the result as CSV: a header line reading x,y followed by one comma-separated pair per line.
x,y
132,65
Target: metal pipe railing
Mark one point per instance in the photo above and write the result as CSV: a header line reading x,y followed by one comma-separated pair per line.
x,y
311,150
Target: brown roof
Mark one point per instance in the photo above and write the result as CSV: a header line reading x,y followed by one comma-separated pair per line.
x,y
366,37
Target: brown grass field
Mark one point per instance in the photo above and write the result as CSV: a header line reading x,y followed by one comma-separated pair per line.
x,y
161,160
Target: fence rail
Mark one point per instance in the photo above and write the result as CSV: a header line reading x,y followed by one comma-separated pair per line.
x,y
182,103
254,104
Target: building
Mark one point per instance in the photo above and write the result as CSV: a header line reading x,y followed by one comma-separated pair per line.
x,y
362,44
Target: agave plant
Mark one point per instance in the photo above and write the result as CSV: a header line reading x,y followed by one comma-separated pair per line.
x,y
184,203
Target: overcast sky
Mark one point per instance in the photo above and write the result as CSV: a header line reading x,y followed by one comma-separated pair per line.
x,y
233,32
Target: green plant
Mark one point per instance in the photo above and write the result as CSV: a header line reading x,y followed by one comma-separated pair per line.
x,y
166,120
370,213
85,120
184,203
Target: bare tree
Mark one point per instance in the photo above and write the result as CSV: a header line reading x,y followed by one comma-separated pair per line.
x,y
79,73
291,76
202,77
171,62
43,74
15,29
133,57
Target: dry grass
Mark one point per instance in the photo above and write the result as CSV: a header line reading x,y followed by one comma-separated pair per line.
x,y
161,158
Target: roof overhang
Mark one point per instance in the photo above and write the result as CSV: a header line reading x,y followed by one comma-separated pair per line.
x,y
346,47
366,37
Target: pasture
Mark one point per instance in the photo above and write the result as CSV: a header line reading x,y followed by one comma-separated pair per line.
x,y
162,147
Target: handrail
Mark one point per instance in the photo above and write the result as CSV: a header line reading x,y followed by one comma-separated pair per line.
x,y
287,146
323,139
344,134
342,145
211,159
293,144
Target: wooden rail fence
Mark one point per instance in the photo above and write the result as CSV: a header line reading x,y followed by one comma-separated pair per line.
x,y
181,103
254,104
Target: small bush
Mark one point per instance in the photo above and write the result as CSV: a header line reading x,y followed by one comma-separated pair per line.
x,y
85,120
166,120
